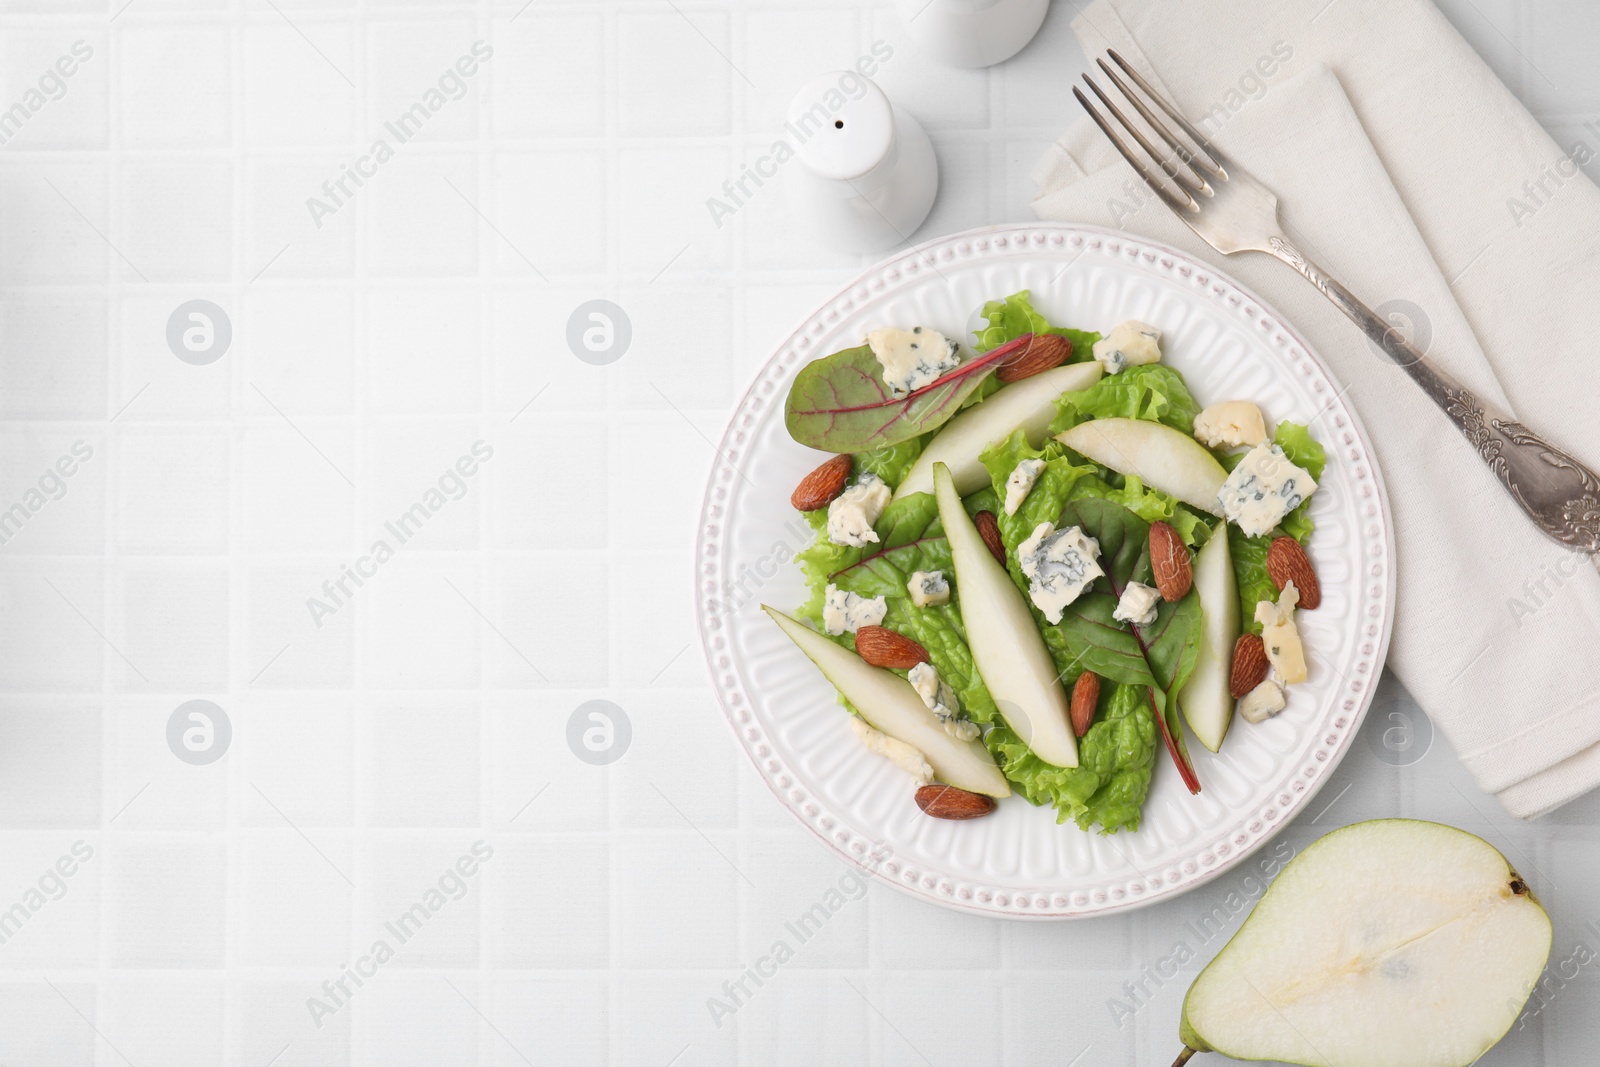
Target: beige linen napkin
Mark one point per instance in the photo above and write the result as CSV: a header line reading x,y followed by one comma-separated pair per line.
x,y
1409,171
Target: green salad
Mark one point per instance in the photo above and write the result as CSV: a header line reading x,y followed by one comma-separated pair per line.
x,y
1038,559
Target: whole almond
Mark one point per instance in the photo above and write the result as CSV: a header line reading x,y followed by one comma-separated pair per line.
x,y
1085,698
1169,558
817,489
1287,562
1044,352
989,530
1250,665
883,647
948,802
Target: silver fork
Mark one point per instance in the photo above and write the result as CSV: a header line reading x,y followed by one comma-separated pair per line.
x,y
1232,212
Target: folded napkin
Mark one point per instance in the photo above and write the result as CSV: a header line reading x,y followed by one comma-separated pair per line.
x,y
1410,172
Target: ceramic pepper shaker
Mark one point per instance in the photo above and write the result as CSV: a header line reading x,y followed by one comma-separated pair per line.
x,y
866,174
972,33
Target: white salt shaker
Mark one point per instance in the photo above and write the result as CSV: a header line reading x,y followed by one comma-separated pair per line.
x,y
867,174
972,33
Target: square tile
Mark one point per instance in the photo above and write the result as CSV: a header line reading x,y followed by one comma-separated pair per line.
x,y
301,627
176,220
525,481
804,1019
420,1021
530,591
548,73
41,1025
551,1021
63,86
56,489
149,381
42,239
52,916
297,347
688,50
666,372
177,1020
913,935
173,626
295,93
530,881
536,781
301,756
294,903
49,763
413,895
424,483
167,902
292,500
174,86
147,786
550,211
286,237
172,490
676,730
693,878
422,219
53,359
532,371
809,900
424,78
423,630
916,1026
663,222
420,763
275,1020
53,627
667,1013
422,351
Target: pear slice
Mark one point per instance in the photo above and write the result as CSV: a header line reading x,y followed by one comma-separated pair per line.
x,y
1028,405
1391,943
1006,644
891,706
1206,699
1167,459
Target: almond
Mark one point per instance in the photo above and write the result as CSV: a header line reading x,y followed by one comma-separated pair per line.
x,y
1169,558
817,489
1250,665
989,530
883,647
948,802
1044,352
1287,562
1085,698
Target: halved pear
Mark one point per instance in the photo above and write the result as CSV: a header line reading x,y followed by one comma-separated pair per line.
x,y
1164,458
1006,644
1391,943
1028,405
890,705
1206,699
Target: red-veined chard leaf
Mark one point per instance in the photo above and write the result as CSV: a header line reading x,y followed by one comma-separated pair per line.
x,y
840,403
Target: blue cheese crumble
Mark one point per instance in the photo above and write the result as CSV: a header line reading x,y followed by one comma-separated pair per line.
x,y
1021,482
941,700
1262,489
913,358
845,612
895,751
1139,604
1130,344
853,512
1059,566
928,589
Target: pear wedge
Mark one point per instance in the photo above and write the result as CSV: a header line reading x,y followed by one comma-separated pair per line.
x,y
1006,644
1167,459
890,705
1028,405
1206,699
1391,943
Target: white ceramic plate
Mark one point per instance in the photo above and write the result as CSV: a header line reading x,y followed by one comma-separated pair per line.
x,y
1017,861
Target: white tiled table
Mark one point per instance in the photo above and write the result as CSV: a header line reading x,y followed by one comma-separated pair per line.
x,y
429,709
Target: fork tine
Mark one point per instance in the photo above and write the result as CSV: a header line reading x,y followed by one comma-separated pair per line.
x,y
1175,172
1136,161
1221,162
1181,152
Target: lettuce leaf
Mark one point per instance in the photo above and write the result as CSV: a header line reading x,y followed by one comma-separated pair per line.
x,y
1014,316
891,463
1303,451
1154,392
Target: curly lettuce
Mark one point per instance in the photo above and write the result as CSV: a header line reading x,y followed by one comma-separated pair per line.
x,y
1154,392
1010,318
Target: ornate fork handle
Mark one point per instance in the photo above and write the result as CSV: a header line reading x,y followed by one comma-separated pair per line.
x,y
1560,494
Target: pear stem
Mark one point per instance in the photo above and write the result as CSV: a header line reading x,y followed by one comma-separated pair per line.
x,y
1183,1057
